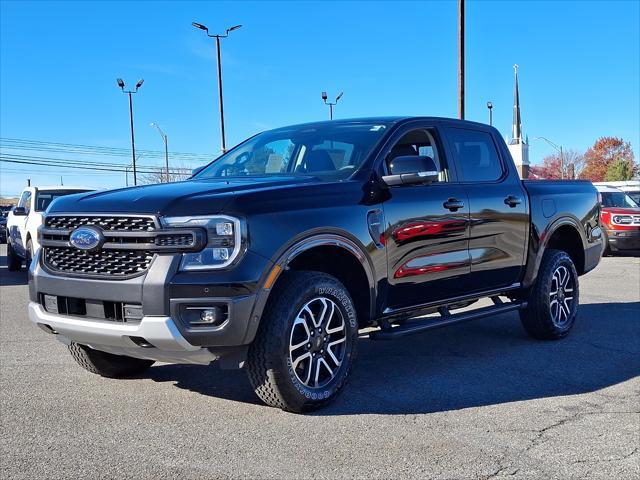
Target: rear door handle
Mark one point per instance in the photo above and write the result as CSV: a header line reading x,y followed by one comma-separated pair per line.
x,y
512,201
453,204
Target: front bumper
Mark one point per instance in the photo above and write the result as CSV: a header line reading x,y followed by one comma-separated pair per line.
x,y
158,295
123,339
624,239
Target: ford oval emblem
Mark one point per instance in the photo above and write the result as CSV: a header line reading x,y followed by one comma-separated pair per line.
x,y
86,238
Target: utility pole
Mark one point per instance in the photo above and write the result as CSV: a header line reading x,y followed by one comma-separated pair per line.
x,y
461,59
559,150
218,37
331,104
133,142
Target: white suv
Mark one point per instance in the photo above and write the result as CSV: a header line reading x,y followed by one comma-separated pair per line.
x,y
23,222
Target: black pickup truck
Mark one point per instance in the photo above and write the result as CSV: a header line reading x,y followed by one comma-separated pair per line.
x,y
274,255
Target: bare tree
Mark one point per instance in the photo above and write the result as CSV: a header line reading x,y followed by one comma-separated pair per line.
x,y
159,174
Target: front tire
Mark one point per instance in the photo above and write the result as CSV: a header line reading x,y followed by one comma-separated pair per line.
x,y
554,298
107,364
306,344
14,263
29,254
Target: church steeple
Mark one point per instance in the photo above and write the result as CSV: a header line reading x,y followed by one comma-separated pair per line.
x,y
516,129
518,147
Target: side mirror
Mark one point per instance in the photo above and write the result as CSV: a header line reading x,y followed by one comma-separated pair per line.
x,y
19,211
197,170
411,170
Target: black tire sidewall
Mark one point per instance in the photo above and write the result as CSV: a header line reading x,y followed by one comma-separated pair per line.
x,y
320,285
538,319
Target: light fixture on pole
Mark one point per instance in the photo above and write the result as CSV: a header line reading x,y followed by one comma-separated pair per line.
x,y
331,104
165,139
558,149
490,107
218,37
133,142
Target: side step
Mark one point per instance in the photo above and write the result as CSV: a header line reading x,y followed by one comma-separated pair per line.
x,y
445,319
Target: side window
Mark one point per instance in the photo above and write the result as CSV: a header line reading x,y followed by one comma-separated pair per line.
x,y
476,155
25,200
420,142
22,200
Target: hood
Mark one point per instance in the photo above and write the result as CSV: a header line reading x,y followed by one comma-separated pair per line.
x,y
190,197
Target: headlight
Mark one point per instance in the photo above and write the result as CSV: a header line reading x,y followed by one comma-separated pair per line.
x,y
622,219
224,241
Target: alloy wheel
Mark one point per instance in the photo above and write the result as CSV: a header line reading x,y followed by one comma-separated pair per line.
x,y
317,344
561,297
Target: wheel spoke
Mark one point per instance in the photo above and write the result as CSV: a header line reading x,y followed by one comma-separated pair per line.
x,y
303,322
297,361
339,328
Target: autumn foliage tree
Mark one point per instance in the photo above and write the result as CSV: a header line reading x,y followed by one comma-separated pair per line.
x,y
555,168
603,153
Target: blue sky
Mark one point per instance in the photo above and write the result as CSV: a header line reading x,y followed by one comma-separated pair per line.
x,y
579,71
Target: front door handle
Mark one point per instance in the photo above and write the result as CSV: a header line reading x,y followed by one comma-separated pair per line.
x,y
512,201
453,204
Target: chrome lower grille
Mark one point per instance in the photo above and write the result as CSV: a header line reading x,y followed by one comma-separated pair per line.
x,y
130,243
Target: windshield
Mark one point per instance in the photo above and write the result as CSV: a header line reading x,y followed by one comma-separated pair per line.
x,y
617,199
44,198
330,151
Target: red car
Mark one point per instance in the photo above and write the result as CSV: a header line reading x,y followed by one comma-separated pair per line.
x,y
620,217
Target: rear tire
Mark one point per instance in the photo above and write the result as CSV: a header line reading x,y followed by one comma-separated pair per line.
x,y
554,298
14,263
306,343
107,364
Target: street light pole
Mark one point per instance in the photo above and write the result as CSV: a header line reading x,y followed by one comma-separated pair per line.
x,y
133,141
558,149
331,104
165,139
490,107
218,37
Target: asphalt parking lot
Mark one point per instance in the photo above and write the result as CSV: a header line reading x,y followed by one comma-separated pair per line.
x,y
477,400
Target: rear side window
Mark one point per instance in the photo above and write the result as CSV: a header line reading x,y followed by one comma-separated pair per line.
x,y
476,155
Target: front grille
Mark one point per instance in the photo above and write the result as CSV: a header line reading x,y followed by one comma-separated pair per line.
x,y
117,263
129,245
105,222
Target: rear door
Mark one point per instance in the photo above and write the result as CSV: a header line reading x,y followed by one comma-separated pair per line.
x,y
499,219
426,226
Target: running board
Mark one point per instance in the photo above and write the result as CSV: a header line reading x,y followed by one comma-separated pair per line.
x,y
445,319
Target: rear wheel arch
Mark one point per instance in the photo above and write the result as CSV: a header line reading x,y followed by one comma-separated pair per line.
x,y
566,236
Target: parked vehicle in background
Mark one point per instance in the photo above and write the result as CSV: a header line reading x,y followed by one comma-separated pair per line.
x,y
25,218
620,218
275,254
630,187
3,226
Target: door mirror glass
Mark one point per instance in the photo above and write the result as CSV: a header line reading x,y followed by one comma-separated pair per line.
x,y
411,169
19,211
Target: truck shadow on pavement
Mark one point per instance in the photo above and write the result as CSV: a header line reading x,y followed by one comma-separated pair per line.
x,y
8,278
486,362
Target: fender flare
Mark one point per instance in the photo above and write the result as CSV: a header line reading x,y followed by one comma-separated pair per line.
x,y
293,249
534,263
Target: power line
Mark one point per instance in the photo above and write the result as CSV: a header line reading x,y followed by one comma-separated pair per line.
x,y
81,167
57,147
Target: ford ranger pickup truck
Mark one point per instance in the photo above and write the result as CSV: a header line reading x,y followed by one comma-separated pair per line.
x,y
277,253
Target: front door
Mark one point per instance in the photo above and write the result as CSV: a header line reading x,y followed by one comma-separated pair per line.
x,y
426,227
